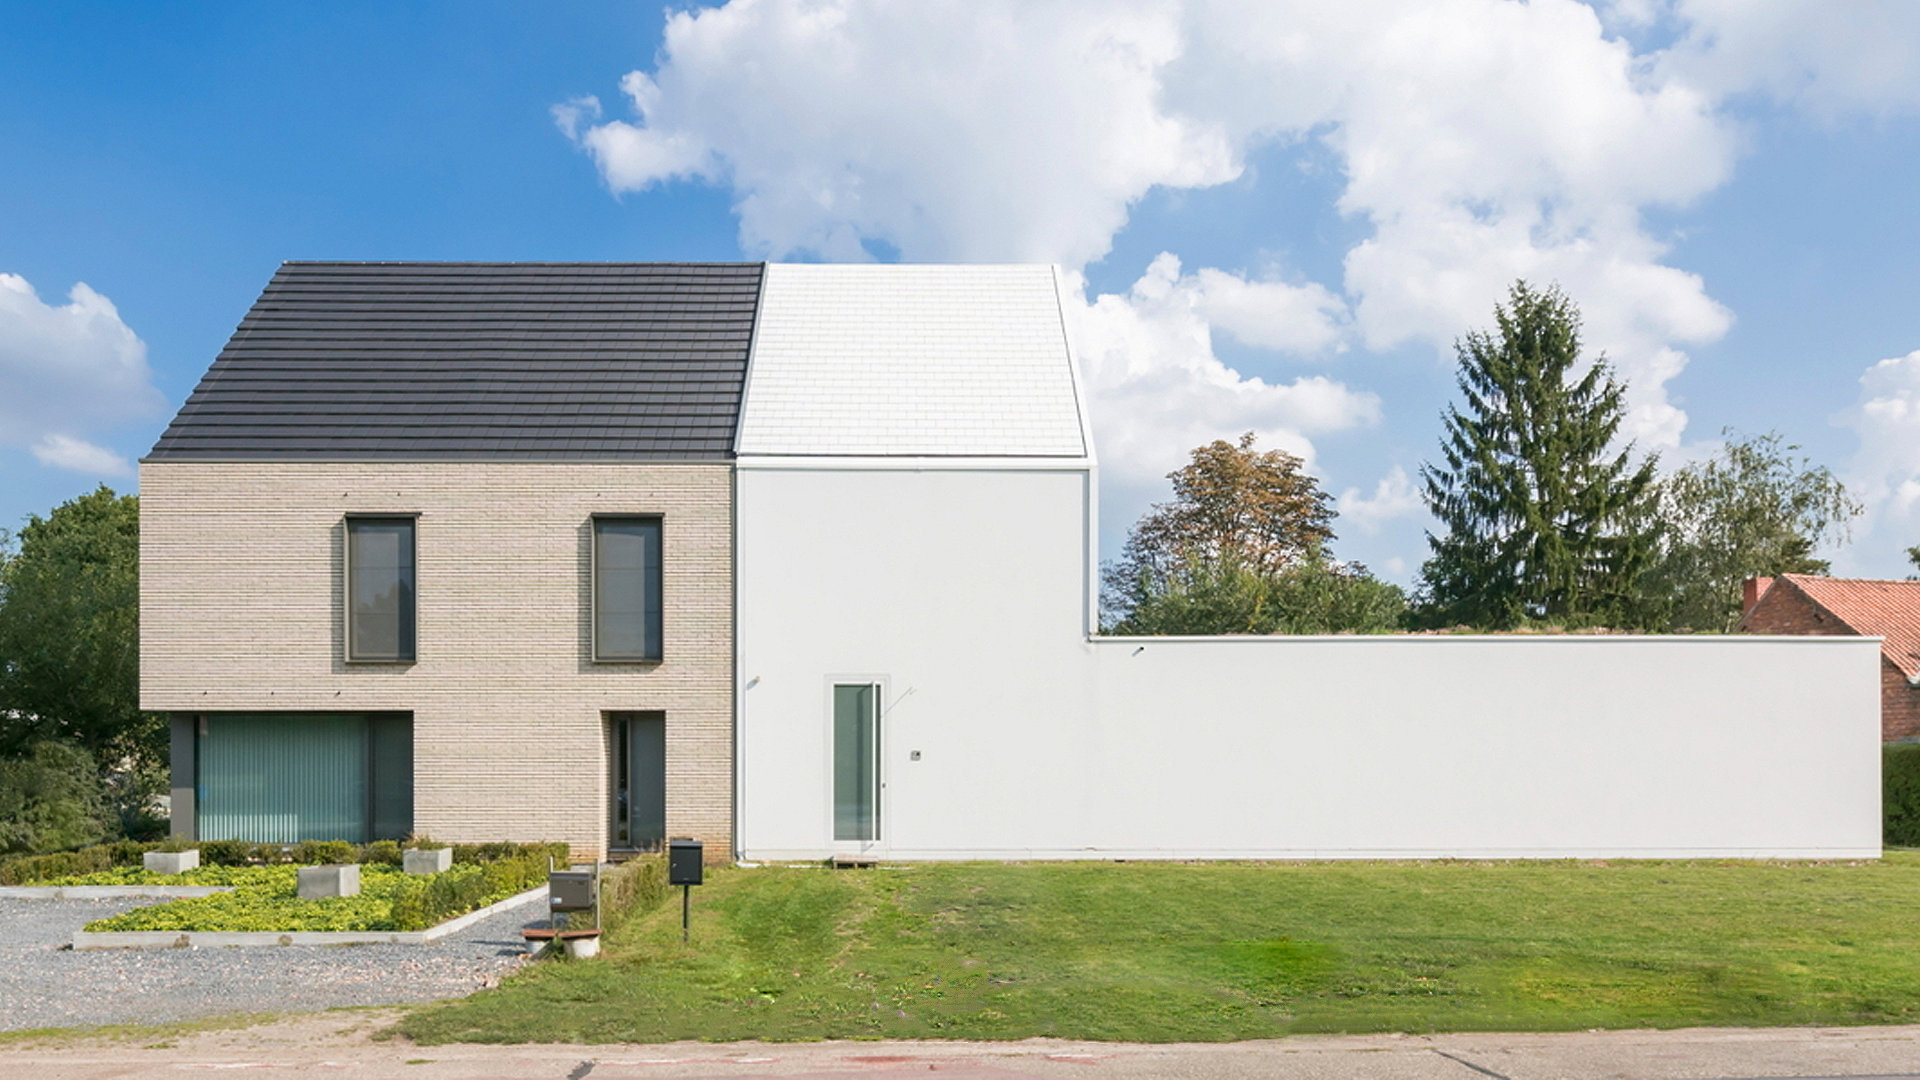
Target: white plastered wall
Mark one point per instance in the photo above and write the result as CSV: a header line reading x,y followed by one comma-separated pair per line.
x,y
960,589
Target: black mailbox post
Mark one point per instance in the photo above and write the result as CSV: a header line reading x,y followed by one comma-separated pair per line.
x,y
685,861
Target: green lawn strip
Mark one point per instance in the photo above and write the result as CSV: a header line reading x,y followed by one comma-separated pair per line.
x,y
265,898
1164,952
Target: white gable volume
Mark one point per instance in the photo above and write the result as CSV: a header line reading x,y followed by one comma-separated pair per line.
x,y
919,675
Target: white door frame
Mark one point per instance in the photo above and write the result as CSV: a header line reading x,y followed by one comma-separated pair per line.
x,y
883,817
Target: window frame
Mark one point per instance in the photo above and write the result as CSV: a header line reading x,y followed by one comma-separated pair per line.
x,y
347,523
659,522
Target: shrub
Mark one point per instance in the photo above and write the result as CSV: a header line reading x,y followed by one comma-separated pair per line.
x,y
52,799
424,901
503,849
632,889
315,852
226,852
382,853
1900,794
28,869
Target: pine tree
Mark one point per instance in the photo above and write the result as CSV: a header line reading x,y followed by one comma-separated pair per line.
x,y
1545,523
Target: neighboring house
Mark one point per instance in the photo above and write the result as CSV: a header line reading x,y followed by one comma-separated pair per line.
x,y
1888,610
802,560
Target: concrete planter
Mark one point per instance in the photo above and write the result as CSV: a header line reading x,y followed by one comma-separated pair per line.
x,y
108,892
321,882
170,862
426,860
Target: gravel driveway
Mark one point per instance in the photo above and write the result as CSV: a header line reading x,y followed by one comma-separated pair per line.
x,y
44,984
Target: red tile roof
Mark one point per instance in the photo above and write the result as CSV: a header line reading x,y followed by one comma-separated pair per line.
x,y
1888,609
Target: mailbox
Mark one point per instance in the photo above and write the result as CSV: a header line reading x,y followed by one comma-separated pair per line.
x,y
684,861
570,890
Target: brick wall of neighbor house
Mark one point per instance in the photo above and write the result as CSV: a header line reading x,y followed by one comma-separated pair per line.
x,y
1783,609
240,608
1899,705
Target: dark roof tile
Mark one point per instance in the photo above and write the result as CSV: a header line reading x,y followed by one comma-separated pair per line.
x,y
468,360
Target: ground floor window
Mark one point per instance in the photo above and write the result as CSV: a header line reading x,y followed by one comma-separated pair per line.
x,y
638,752
280,778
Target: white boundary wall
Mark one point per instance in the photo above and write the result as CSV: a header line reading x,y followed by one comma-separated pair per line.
x,y
1008,733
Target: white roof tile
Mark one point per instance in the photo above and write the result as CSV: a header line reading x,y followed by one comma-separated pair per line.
x,y
887,360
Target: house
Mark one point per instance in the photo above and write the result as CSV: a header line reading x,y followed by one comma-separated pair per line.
x,y
1888,610
801,560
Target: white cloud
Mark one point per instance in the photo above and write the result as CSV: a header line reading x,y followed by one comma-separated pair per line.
x,y
66,452
1885,473
1393,497
1267,314
1478,141
67,370
1863,55
1158,390
995,130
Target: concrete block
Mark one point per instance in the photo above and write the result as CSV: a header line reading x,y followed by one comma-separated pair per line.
x,y
170,862
426,860
320,882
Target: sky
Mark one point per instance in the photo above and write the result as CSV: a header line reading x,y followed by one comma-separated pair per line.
x,y
1272,216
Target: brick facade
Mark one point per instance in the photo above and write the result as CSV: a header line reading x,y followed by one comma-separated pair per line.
x,y
241,586
1783,608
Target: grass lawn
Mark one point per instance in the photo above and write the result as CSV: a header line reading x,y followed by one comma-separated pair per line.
x,y
1160,952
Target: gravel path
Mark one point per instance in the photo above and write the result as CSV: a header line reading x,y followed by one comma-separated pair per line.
x,y
44,984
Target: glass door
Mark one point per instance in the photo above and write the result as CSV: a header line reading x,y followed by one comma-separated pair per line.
x,y
638,787
856,764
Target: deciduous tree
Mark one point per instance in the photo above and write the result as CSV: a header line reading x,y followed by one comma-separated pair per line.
x,y
70,633
1242,549
1751,510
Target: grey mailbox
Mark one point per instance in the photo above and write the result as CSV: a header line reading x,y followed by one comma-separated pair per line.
x,y
570,890
684,862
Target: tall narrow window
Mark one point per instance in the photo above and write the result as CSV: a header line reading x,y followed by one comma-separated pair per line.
x,y
626,588
856,762
380,589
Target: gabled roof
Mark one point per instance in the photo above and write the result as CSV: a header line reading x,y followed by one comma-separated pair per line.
x,y
414,360
1871,608
884,360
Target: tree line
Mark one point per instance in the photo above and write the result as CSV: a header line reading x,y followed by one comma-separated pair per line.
x,y
1546,520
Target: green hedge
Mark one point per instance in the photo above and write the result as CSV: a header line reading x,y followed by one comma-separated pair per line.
x,y
632,889
1900,795
469,886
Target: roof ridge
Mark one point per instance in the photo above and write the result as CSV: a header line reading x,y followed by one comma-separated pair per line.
x,y
1864,580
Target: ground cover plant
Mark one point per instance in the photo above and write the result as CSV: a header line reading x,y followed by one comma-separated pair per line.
x,y
1230,951
265,895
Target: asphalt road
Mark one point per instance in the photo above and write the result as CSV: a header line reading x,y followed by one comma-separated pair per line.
x,y
347,1045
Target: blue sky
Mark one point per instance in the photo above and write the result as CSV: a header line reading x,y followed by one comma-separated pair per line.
x,y
1277,215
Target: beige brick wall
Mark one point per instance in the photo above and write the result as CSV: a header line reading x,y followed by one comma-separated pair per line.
x,y
240,610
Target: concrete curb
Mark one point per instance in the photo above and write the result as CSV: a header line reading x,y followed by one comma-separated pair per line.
x,y
108,892
215,939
